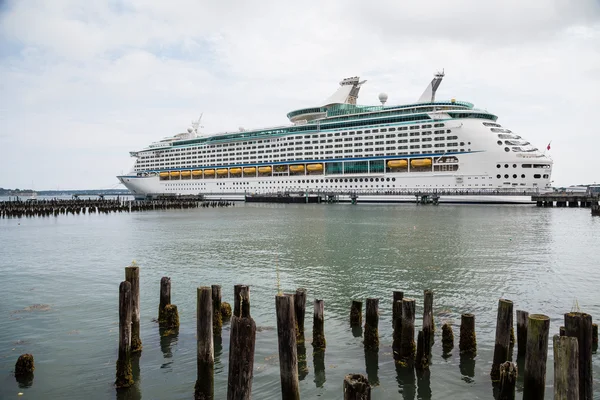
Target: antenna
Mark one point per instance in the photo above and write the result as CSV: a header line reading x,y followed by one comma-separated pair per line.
x,y
196,124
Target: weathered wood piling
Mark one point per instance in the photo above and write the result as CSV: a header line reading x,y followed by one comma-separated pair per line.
x,y
356,313
217,316
132,275
204,389
288,357
566,368
502,344
522,323
536,354
579,325
124,373
594,337
319,342
241,358
356,387
397,325
300,311
241,301
408,347
447,338
371,341
508,380
428,323
165,297
467,343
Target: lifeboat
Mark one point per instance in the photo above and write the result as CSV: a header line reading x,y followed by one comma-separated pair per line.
x,y
314,167
250,170
265,170
397,164
186,173
296,168
235,171
197,174
174,173
209,172
419,163
164,174
222,171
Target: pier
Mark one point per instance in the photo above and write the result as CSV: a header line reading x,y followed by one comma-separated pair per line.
x,y
566,200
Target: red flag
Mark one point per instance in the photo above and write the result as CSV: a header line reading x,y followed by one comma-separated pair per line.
x,y
548,147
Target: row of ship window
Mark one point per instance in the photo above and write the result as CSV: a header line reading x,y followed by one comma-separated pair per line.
x,y
546,166
535,176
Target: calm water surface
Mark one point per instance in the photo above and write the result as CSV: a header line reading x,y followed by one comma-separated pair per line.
x,y
545,260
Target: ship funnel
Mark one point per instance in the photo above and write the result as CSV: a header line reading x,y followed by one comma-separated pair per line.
x,y
429,93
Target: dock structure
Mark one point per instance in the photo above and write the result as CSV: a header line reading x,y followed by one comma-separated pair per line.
x,y
566,200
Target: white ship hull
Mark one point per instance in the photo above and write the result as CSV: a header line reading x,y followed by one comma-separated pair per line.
x,y
381,153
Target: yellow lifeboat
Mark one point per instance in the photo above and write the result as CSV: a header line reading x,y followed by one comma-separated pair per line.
x,y
235,171
222,171
397,164
250,170
419,163
186,173
265,170
296,168
196,173
314,167
164,174
209,172
175,173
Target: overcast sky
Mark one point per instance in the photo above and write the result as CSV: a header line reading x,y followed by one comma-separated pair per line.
x,y
82,83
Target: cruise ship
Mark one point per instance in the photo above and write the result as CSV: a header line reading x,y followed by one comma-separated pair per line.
x,y
379,153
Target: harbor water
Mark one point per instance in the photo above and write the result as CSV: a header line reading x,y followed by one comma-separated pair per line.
x,y
60,280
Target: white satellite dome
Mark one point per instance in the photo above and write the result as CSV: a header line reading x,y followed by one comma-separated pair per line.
x,y
383,97
190,129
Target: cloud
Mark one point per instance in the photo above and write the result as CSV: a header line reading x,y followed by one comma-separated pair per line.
x,y
84,83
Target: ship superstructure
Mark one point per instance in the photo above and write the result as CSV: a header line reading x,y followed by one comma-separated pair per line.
x,y
341,146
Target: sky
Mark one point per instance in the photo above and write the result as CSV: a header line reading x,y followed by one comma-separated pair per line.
x,y
83,83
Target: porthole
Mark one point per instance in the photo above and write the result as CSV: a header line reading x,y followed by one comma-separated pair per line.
x,y
387,179
393,179
499,142
522,175
514,176
498,176
506,149
498,165
514,165
361,179
505,165
506,176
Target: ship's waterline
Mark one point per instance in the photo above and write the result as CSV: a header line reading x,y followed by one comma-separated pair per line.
x,y
340,146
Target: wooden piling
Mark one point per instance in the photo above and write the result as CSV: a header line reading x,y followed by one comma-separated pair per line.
x,y
397,295
24,365
508,380
397,325
421,359
300,311
132,275
536,355
319,341
579,325
356,314
217,318
408,346
447,338
165,297
124,372
241,301
428,323
371,341
562,331
502,344
241,358
356,387
522,322
204,389
467,343
594,337
566,368
288,357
